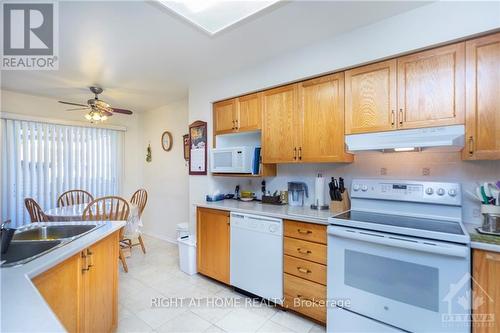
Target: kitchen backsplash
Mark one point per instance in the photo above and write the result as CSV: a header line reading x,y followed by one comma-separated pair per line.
x,y
429,166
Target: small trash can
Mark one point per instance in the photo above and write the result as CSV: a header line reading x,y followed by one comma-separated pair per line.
x,y
182,230
187,254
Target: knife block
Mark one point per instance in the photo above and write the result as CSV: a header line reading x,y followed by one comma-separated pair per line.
x,y
341,206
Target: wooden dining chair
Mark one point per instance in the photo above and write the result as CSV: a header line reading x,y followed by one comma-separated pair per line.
x,y
139,198
109,208
35,211
74,197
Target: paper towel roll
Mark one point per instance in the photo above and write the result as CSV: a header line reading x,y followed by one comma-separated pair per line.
x,y
319,190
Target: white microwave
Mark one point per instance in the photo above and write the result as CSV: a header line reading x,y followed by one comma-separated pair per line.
x,y
235,160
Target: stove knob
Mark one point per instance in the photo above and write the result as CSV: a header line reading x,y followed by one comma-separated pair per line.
x,y
364,188
452,192
429,190
273,228
440,191
355,187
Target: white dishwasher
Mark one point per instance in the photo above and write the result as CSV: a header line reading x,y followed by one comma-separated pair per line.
x,y
257,255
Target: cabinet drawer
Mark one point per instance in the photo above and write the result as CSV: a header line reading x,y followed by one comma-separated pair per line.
x,y
306,231
305,250
305,297
305,269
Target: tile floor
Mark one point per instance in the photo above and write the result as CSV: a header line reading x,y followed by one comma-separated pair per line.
x,y
156,275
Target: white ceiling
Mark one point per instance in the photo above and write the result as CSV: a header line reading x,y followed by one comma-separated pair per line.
x,y
145,56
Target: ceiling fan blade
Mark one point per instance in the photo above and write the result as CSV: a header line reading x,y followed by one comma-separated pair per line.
x,y
78,109
107,113
77,104
121,111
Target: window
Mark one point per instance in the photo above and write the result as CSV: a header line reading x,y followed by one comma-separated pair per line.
x,y
41,161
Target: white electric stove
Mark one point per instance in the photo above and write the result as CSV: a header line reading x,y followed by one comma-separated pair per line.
x,y
399,260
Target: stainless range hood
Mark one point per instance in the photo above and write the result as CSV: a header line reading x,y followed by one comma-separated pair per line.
x,y
444,138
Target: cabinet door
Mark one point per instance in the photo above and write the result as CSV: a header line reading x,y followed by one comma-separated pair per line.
x,y
370,96
280,125
101,285
486,290
61,287
322,120
225,115
212,233
431,87
483,98
249,113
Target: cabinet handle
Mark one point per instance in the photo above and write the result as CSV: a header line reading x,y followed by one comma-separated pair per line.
x,y
471,145
307,299
299,250
303,270
295,153
233,126
401,117
236,125
85,264
300,153
393,118
304,232
91,258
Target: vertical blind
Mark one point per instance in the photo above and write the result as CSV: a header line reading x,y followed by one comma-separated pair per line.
x,y
42,160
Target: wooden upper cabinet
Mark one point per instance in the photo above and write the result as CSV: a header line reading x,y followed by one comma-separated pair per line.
x,y
213,240
249,113
485,287
370,98
321,138
483,98
225,115
280,125
431,87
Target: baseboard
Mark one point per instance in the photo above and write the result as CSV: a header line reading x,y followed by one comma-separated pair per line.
x,y
166,239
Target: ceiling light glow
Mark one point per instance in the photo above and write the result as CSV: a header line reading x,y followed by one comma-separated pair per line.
x,y
213,16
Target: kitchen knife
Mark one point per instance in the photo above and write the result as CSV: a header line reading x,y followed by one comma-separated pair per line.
x,y
341,185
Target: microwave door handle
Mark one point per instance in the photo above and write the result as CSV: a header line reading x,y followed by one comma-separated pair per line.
x,y
452,250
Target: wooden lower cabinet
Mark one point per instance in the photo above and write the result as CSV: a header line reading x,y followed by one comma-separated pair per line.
x,y
83,290
212,235
486,289
304,263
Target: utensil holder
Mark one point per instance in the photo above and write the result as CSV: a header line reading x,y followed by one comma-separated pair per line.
x,y
341,206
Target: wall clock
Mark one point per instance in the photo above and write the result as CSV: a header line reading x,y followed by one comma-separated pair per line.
x,y
166,141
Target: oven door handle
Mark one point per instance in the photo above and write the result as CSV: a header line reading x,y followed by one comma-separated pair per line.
x,y
401,242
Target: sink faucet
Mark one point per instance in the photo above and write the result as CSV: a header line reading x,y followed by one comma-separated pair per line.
x,y
6,236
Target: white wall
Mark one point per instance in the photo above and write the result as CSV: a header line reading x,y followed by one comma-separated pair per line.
x,y
46,107
432,24
166,176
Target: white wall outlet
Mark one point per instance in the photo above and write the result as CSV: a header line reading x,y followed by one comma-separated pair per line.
x,y
476,212
426,171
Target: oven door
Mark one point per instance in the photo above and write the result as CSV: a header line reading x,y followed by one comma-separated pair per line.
x,y
409,283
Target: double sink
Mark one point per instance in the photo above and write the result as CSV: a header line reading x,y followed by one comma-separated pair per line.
x,y
36,239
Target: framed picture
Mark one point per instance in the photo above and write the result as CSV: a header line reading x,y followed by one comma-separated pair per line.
x,y
198,148
185,139
166,141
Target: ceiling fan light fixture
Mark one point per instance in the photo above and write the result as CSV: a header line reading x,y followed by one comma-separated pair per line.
x,y
103,118
88,116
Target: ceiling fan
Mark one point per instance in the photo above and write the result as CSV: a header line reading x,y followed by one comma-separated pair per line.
x,y
99,110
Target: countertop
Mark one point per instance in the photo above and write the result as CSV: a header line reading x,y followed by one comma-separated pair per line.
x,y
481,241
23,309
304,213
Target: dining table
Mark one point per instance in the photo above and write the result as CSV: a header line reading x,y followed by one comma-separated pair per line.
x,y
73,213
